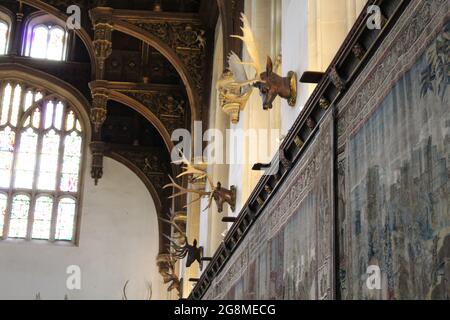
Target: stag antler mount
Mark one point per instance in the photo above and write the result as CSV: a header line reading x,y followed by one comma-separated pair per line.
x,y
235,86
181,248
218,194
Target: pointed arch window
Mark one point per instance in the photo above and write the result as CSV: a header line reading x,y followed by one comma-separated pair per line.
x,y
45,38
4,36
41,152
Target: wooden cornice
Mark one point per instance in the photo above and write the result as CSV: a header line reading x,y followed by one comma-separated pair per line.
x,y
156,17
132,86
343,71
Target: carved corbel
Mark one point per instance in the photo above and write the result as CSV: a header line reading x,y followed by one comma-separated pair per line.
x,y
98,152
103,27
100,96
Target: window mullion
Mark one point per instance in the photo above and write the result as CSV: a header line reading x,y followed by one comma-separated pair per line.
x,y
58,175
18,137
48,42
36,173
11,99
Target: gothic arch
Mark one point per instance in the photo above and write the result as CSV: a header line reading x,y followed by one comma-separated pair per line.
x,y
51,83
146,113
81,33
170,55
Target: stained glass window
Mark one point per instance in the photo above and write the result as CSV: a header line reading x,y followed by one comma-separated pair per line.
x,y
4,33
65,220
18,221
42,219
41,143
48,42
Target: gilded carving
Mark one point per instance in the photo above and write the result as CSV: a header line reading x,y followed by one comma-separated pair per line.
x,y
170,109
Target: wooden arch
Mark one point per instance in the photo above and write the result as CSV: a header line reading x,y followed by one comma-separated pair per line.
x,y
146,113
170,55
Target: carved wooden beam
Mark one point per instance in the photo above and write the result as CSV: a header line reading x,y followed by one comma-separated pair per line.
x,y
229,14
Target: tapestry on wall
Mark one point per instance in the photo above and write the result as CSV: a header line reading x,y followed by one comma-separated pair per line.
x,y
394,180
288,253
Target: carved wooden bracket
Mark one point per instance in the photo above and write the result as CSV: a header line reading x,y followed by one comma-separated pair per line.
x,y
100,96
103,27
98,151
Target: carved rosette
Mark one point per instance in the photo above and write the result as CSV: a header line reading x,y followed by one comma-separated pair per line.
x,y
100,96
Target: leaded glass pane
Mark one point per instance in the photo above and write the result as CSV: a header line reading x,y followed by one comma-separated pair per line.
x,y
49,161
6,103
36,118
19,217
38,96
3,204
59,115
3,37
7,145
70,123
71,163
16,104
39,42
65,220
49,110
56,44
79,126
42,218
26,160
28,101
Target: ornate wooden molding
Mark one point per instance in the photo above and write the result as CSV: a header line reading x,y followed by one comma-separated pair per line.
x,y
166,102
169,108
100,96
187,39
180,37
103,27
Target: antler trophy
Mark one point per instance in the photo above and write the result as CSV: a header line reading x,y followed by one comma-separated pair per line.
x,y
235,85
183,250
218,194
167,269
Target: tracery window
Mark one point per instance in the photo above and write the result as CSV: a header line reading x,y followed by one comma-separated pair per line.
x,y
41,143
46,39
4,36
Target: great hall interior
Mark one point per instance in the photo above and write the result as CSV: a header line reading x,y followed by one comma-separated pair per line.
x,y
224,149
